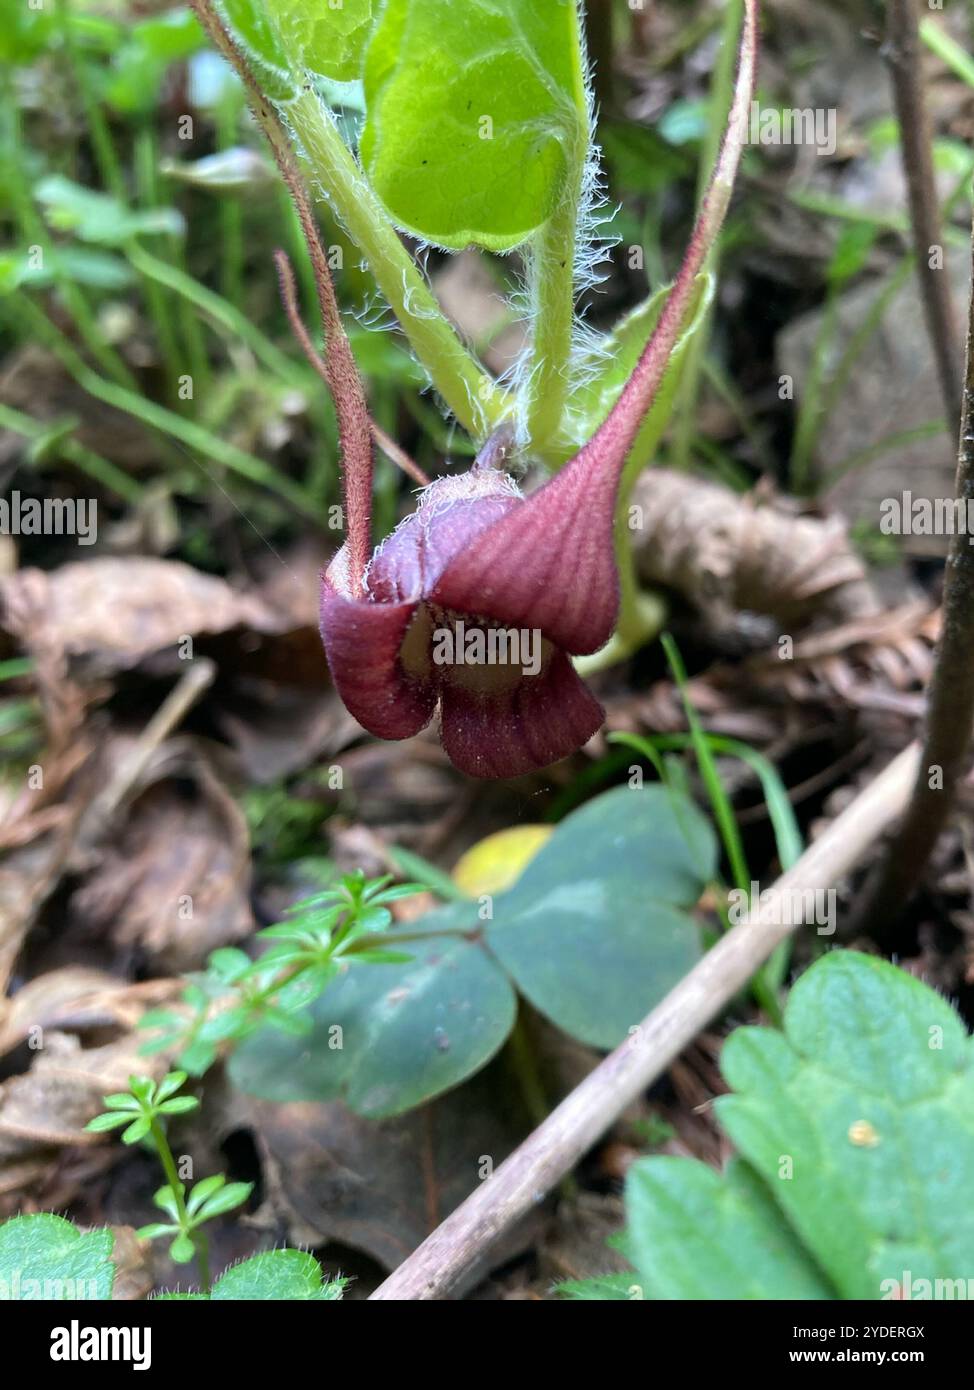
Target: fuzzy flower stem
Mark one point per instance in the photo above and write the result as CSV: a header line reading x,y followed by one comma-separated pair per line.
x,y
616,435
289,299
354,427
473,396
551,260
639,619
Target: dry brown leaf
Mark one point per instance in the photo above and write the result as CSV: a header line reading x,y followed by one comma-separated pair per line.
x,y
48,1106
728,554
24,615
282,731
382,1186
133,1268
27,878
110,612
173,877
75,998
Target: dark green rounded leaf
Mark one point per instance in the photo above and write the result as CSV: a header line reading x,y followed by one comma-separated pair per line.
x,y
388,1037
590,932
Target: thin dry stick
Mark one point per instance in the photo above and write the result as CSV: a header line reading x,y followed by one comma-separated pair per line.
x,y
196,679
950,702
902,53
571,1129
289,298
397,455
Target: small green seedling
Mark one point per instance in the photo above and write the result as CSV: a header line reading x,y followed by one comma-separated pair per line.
x,y
321,935
143,1110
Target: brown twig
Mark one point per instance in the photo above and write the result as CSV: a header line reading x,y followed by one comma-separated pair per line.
x,y
950,701
902,53
192,684
574,1126
289,298
397,455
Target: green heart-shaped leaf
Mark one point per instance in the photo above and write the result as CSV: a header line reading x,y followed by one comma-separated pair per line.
x,y
475,116
590,932
388,1037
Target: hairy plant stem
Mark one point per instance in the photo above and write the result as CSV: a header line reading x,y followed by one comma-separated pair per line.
x,y
338,366
553,311
200,1243
950,701
618,432
718,105
475,399
902,52
552,276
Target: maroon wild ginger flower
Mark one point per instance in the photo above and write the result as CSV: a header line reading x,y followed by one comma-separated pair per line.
x,y
440,572
478,559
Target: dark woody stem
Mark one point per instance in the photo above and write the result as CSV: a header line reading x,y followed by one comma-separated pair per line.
x,y
341,374
950,703
902,53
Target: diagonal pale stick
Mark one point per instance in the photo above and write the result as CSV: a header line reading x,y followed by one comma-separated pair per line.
x,y
574,1126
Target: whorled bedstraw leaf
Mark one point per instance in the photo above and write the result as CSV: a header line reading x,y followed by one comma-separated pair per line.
x,y
476,116
45,1257
388,1037
860,1119
591,934
182,1250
